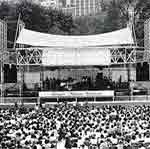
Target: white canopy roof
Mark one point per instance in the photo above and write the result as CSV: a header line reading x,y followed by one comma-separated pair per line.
x,y
33,38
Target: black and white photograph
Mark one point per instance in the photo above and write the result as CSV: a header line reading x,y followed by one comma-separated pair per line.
x,y
74,74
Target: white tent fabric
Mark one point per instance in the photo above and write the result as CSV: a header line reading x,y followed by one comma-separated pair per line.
x,y
33,38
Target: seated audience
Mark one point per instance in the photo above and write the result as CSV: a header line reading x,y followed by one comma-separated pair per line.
x,y
75,126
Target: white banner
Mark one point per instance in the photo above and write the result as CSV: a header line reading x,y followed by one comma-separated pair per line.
x,y
75,94
73,57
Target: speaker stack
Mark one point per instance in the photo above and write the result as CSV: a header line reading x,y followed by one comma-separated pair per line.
x,y
10,73
142,71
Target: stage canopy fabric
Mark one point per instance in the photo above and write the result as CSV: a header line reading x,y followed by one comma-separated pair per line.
x,y
76,57
33,38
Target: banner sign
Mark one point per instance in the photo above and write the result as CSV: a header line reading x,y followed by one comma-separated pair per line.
x,y
76,57
76,94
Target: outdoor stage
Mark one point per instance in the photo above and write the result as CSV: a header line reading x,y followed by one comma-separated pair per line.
x,y
103,53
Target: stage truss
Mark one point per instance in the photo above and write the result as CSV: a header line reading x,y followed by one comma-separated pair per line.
x,y
119,55
33,56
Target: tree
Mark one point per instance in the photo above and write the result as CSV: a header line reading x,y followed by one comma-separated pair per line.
x,y
5,10
125,5
114,17
144,14
83,25
45,20
88,25
118,16
36,18
113,20
141,14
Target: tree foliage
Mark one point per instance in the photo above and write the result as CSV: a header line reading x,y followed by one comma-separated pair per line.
x,y
37,17
141,14
113,21
114,16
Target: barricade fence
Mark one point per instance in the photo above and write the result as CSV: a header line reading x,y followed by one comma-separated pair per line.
x,y
95,96
117,100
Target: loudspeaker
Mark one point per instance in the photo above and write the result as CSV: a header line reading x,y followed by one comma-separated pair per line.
x,y
10,73
142,71
145,71
138,72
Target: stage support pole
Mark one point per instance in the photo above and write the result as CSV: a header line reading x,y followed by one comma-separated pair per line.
x,y
114,98
16,31
38,101
76,100
94,99
109,73
20,83
41,77
129,80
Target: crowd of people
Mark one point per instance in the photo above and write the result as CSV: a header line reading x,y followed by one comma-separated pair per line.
x,y
75,126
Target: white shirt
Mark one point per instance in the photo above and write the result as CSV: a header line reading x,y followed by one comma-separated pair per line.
x,y
39,146
147,140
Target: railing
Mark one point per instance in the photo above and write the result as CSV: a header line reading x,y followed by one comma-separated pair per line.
x,y
145,99
122,95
